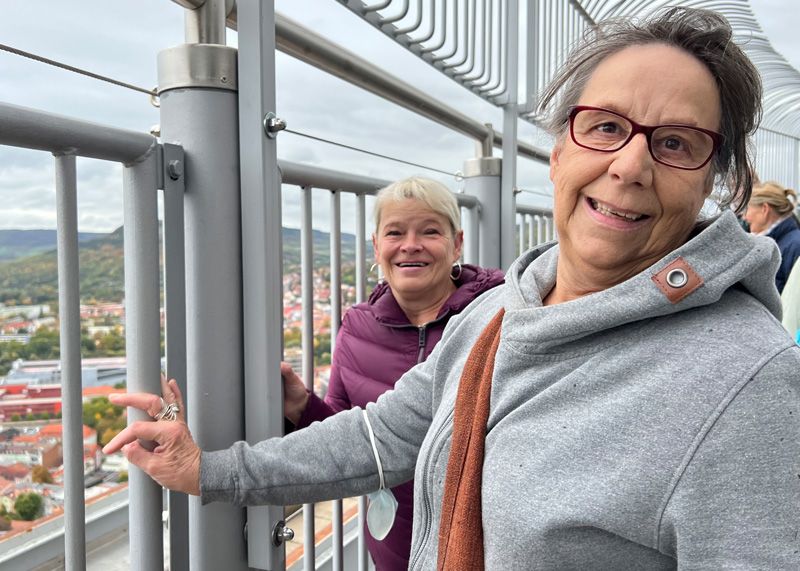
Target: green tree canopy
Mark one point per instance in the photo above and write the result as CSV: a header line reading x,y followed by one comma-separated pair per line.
x,y
29,506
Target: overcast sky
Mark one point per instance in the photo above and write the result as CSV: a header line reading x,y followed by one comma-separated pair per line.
x,y
122,38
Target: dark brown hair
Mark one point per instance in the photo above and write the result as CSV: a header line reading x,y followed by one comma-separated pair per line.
x,y
702,33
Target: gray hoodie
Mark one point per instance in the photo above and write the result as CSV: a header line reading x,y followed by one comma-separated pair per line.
x,y
625,431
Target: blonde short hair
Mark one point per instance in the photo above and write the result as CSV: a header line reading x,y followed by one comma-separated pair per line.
x,y
783,200
433,194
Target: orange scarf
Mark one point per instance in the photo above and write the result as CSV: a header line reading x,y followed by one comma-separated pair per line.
x,y
461,526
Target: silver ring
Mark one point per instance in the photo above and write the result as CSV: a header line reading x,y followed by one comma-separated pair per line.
x,y
168,411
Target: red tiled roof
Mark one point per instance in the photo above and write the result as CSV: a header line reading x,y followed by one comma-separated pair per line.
x,y
58,429
101,391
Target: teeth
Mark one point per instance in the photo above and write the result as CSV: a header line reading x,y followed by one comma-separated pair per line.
x,y
602,209
412,264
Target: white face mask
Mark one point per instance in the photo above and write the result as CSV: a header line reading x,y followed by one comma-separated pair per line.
x,y
382,503
380,513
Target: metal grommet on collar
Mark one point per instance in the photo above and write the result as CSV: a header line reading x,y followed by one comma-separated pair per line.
x,y
677,278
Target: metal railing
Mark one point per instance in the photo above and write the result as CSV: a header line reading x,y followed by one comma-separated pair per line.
x,y
143,160
221,237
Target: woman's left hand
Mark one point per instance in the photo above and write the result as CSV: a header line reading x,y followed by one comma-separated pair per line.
x,y
175,461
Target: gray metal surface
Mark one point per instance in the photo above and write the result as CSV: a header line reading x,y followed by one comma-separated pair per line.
x,y
307,340
204,121
261,258
197,65
336,319
142,345
508,178
361,296
466,40
70,340
175,332
202,21
307,46
32,129
486,189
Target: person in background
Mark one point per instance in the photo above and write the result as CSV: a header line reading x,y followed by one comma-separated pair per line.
x,y
790,300
770,212
417,244
627,399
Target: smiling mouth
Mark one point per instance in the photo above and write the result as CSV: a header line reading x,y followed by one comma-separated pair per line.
x,y
606,210
412,264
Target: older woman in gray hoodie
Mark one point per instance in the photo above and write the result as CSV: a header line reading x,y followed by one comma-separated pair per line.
x,y
628,398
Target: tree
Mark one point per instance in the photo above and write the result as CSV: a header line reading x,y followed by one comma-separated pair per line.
x,y
123,477
101,415
108,434
41,475
29,506
15,417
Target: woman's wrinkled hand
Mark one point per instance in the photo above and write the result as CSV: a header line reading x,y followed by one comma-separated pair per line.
x,y
174,462
295,395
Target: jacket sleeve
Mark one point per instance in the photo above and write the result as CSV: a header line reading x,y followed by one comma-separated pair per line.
x,y
336,399
316,409
736,503
329,459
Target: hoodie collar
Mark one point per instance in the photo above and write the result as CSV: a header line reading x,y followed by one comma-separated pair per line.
x,y
722,255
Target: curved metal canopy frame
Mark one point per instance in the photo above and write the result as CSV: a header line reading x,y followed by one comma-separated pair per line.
x,y
781,81
465,40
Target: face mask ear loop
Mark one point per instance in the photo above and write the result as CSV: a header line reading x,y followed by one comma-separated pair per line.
x,y
374,448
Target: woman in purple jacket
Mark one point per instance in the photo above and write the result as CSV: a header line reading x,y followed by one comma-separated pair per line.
x,y
417,243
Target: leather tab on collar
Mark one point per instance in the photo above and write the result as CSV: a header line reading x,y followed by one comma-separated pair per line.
x,y
677,280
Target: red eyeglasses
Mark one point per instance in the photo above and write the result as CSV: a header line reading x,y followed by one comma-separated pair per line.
x,y
678,146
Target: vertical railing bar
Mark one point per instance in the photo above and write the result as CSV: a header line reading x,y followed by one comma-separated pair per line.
x,y
361,297
307,340
336,319
531,242
474,238
142,333
70,343
361,248
257,318
175,337
540,238
521,229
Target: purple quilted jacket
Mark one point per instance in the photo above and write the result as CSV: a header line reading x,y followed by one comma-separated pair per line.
x,y
375,346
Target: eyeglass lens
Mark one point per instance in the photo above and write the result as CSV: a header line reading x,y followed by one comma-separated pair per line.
x,y
678,146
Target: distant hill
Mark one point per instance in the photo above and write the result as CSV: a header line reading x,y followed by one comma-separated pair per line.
x,y
20,243
34,278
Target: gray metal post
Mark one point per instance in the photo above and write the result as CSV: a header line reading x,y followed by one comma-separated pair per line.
x,y
197,85
482,180
336,319
261,257
175,330
71,394
307,293
510,114
142,335
361,296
